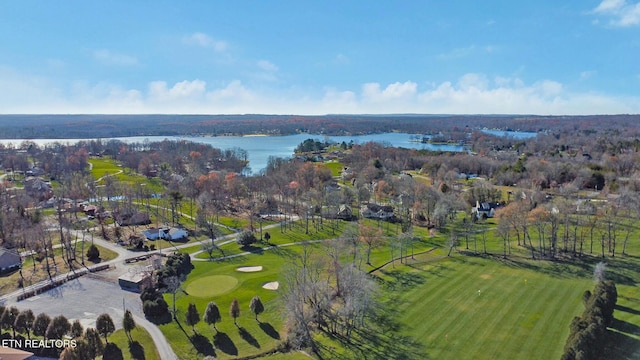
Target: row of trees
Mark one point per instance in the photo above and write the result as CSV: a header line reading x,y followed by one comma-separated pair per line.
x,y
88,344
569,226
588,336
212,314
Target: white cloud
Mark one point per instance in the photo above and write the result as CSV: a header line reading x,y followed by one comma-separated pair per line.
x,y
335,101
233,91
341,59
621,13
371,91
584,75
159,91
609,6
205,41
469,94
267,66
473,82
107,57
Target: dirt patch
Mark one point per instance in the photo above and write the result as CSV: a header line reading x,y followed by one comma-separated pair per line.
x,y
485,276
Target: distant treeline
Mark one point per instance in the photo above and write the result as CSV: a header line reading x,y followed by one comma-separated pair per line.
x,y
107,126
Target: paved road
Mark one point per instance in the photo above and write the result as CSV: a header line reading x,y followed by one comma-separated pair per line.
x,y
87,297
77,299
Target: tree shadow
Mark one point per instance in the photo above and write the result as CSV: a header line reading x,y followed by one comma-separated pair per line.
x,y
203,345
625,327
136,350
252,249
282,251
573,267
270,330
621,345
182,329
627,309
223,342
381,338
246,336
402,280
112,352
379,345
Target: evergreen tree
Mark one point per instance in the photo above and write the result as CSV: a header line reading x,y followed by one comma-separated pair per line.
x,y
128,324
105,326
76,329
58,328
212,315
193,316
40,324
94,343
256,306
8,319
93,253
24,322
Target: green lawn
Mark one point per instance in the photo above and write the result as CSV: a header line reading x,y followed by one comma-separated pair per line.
x,y
250,337
335,167
474,308
142,346
106,166
464,306
102,167
294,233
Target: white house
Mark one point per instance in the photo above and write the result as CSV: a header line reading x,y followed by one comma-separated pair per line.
x,y
375,211
166,233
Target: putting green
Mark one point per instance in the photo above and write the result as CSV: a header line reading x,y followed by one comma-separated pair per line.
x,y
212,285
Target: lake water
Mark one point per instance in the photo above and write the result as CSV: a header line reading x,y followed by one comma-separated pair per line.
x,y
511,133
260,148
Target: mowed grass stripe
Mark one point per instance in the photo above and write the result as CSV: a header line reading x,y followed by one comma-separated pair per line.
x,y
528,318
446,298
567,303
506,318
511,318
436,289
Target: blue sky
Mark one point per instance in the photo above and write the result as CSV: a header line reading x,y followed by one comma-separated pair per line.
x,y
320,57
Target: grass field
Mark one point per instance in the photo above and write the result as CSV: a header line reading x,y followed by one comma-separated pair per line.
x,y
335,167
472,307
464,306
468,305
475,308
106,166
142,346
250,336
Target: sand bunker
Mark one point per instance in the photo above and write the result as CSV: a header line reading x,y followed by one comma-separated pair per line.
x,y
249,268
271,285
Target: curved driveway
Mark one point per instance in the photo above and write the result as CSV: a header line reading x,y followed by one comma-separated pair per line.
x,y
88,296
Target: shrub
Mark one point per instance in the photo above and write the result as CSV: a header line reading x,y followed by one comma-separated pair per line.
x,y
93,253
246,238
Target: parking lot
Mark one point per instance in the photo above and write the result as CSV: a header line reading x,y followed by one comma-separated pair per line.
x,y
85,298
